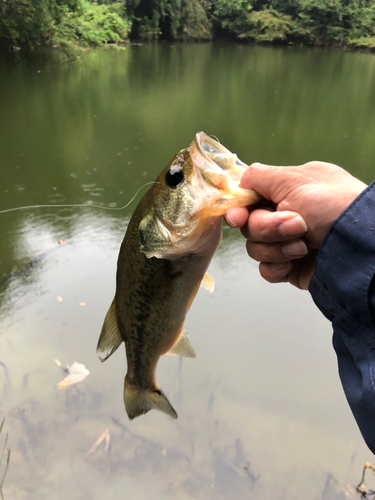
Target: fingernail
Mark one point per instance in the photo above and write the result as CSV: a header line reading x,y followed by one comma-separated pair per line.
x,y
229,221
281,266
294,249
293,226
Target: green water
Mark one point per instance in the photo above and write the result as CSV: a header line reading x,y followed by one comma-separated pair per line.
x,y
264,392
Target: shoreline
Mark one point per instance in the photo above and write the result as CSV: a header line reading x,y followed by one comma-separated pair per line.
x,y
345,47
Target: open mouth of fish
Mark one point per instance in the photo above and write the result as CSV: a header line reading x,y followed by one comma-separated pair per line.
x,y
194,191
222,170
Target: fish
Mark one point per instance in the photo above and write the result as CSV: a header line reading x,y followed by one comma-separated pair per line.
x,y
163,260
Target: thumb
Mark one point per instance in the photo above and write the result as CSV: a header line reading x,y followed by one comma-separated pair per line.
x,y
267,180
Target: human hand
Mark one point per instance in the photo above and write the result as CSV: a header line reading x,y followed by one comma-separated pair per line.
x,y
285,234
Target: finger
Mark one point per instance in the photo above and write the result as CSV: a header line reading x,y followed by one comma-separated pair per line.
x,y
303,270
277,252
275,272
297,272
237,217
264,225
265,179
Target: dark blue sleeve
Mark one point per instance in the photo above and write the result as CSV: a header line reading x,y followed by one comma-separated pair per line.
x,y
343,287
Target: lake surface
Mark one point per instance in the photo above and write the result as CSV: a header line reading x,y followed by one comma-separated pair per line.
x,y
262,414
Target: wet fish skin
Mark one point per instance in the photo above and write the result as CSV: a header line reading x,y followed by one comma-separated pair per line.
x,y
167,249
159,299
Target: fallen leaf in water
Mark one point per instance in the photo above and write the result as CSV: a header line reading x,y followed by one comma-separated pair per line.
x,y
75,373
59,298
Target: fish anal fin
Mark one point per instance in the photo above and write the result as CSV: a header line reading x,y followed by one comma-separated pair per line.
x,y
139,401
110,336
208,282
183,347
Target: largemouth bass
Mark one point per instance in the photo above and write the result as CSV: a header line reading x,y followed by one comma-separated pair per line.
x,y
169,243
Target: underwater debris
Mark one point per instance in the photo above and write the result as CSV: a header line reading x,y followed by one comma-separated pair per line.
x,y
74,373
250,473
117,422
105,436
2,454
6,383
361,487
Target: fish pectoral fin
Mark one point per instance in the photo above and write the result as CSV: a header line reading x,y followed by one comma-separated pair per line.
x,y
110,336
139,401
208,282
183,347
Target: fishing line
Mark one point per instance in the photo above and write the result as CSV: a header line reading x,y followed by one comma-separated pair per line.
x,y
83,205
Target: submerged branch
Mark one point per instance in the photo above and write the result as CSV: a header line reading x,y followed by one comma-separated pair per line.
x,y
1,459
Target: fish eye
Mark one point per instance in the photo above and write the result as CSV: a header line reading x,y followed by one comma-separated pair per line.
x,y
174,177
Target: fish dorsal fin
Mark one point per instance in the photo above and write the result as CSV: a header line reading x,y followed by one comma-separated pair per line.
x,y
110,337
208,282
183,347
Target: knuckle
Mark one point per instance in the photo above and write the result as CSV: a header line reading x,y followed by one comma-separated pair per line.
x,y
267,273
259,225
255,165
253,251
264,252
263,228
271,275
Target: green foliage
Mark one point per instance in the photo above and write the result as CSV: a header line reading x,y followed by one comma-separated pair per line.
x,y
58,22
269,25
194,23
329,21
81,23
26,21
148,29
364,43
170,19
232,15
92,24
303,21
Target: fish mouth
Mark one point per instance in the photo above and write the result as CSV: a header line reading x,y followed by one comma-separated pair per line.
x,y
218,162
222,170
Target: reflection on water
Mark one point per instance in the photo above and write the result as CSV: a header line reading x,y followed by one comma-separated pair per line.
x,y
261,411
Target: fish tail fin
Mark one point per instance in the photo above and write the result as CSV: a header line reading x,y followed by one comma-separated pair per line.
x,y
139,401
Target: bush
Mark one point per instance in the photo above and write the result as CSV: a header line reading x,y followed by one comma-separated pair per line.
x,y
53,22
269,25
26,22
364,43
232,15
92,24
170,19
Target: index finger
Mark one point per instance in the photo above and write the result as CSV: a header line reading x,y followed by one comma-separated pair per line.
x,y
268,227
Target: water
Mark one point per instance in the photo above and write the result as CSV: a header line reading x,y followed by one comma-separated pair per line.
x,y
264,393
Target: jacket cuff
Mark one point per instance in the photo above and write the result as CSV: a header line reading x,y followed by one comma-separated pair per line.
x,y
345,265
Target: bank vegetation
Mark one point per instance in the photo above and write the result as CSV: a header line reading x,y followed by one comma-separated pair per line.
x,y
83,23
